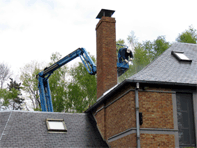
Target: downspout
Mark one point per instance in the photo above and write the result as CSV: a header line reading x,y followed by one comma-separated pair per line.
x,y
137,114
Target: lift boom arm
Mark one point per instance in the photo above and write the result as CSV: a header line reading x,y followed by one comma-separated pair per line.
x,y
43,83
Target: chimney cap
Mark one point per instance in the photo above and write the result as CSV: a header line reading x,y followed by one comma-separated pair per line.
x,y
105,12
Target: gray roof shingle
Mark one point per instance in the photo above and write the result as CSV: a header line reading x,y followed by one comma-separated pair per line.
x,y
28,129
166,68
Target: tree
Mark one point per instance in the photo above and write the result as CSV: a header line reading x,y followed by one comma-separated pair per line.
x,y
16,101
132,40
144,53
5,73
81,89
140,60
120,41
4,99
160,45
56,81
11,97
58,84
157,47
188,36
30,83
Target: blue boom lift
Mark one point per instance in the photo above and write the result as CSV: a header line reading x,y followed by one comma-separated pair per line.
x,y
124,55
43,76
43,82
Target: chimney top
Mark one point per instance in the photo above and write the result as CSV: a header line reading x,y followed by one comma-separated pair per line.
x,y
105,12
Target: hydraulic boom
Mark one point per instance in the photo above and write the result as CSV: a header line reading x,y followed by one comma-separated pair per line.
x,y
43,76
43,83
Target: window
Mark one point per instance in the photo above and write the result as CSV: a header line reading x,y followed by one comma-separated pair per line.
x,y
185,115
56,125
180,56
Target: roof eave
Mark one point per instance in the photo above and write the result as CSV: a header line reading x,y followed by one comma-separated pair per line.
x,y
161,82
103,98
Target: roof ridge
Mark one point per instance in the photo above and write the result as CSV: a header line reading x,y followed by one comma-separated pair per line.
x,y
40,112
185,43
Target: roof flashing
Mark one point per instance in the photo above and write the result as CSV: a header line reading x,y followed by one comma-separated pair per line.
x,y
180,56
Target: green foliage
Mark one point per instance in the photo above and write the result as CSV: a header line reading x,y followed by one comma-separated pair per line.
x,y
30,83
58,85
140,60
80,92
11,98
81,89
157,47
120,41
15,94
69,96
4,95
144,53
189,36
160,45
56,81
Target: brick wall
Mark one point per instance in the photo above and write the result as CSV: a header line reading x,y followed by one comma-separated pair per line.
x,y
146,141
157,110
127,141
120,116
100,118
106,55
157,140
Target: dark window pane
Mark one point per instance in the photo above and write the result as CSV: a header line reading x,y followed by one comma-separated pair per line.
x,y
186,139
185,118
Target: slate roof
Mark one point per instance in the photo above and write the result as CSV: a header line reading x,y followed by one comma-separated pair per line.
x,y
28,129
166,68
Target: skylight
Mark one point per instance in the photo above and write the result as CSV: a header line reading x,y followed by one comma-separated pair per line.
x,y
56,125
180,56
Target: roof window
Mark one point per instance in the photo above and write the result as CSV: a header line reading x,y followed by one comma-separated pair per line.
x,y
180,56
56,125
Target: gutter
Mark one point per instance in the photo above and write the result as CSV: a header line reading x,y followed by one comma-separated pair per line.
x,y
161,82
137,115
115,88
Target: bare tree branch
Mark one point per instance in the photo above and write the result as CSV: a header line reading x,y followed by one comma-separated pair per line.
x,y
5,73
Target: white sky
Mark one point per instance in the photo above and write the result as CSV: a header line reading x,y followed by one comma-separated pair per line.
x,y
31,30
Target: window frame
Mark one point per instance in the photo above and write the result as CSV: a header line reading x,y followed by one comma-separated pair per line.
x,y
181,97
50,130
175,54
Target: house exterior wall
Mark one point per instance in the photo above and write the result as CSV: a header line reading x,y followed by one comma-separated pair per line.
x,y
156,106
127,141
100,118
120,116
157,110
157,140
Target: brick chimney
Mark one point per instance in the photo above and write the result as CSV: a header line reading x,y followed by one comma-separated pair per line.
x,y
106,52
